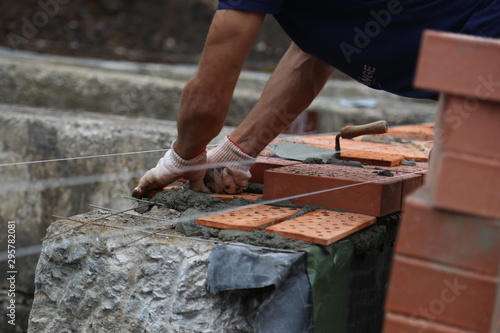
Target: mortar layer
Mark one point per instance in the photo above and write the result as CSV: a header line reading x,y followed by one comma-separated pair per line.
x,y
194,204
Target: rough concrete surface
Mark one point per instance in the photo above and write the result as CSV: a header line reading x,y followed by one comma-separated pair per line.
x,y
97,279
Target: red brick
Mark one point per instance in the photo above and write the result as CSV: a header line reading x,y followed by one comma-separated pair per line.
x,y
420,132
244,195
419,167
416,151
264,163
460,240
341,186
373,158
322,226
397,323
469,126
443,294
470,67
466,183
247,219
407,133
411,183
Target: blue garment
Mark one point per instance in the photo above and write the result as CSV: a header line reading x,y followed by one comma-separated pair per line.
x,y
375,41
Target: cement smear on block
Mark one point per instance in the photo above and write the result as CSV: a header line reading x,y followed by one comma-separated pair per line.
x,y
193,205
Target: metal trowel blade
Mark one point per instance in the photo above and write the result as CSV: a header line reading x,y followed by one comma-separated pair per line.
x,y
299,151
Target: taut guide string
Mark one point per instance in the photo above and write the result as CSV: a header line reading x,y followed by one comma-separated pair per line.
x,y
144,230
37,248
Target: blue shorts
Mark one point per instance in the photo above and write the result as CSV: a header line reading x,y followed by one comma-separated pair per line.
x,y
375,41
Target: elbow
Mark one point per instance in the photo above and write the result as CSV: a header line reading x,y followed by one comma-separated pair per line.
x,y
200,104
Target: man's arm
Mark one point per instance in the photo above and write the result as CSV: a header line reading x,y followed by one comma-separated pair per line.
x,y
205,100
206,97
297,80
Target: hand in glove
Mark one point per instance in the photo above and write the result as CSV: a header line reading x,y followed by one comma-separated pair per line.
x,y
230,168
170,168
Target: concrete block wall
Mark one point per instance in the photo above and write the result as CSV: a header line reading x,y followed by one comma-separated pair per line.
x,y
446,273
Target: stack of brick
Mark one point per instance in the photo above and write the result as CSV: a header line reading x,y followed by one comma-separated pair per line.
x,y
445,276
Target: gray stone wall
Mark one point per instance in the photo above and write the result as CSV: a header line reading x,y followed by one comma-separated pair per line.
x,y
97,279
31,194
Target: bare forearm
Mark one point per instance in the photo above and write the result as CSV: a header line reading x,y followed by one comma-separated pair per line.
x,y
292,87
205,99
201,117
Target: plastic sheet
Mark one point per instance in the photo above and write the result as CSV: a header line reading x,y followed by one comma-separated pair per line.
x,y
288,309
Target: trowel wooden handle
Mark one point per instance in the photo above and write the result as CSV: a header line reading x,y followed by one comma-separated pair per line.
x,y
351,131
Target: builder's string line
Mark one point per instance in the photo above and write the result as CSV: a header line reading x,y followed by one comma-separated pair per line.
x,y
127,230
388,146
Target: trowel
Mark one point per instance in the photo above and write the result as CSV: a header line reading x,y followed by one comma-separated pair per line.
x,y
302,152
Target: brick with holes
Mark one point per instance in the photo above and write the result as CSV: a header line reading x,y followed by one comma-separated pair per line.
x,y
247,219
322,227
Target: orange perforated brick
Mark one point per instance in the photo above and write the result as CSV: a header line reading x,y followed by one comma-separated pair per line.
x,y
322,226
247,219
244,195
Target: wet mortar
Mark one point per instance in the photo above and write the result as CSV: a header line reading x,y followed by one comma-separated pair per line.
x,y
190,205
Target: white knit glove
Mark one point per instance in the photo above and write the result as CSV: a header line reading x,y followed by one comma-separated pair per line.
x,y
230,170
170,168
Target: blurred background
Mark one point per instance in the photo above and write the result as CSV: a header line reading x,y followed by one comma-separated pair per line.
x,y
159,31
